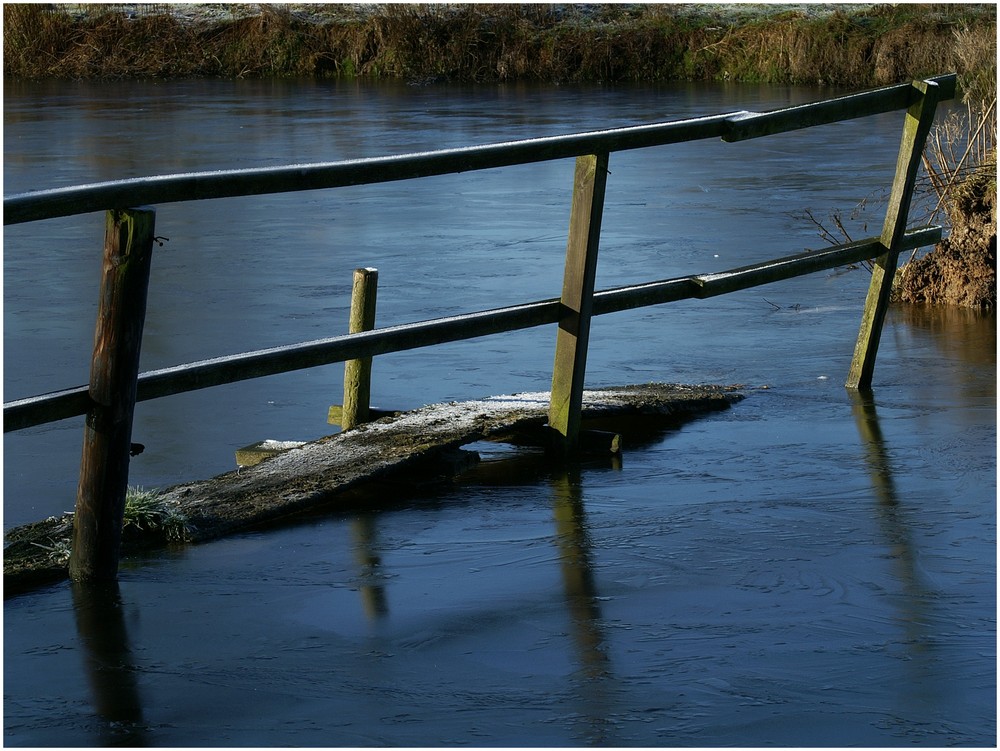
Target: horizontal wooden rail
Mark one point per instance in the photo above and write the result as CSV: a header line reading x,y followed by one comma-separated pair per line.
x,y
735,126
710,285
37,410
756,125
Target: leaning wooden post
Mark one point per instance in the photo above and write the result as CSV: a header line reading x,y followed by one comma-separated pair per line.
x,y
358,373
917,125
114,368
566,401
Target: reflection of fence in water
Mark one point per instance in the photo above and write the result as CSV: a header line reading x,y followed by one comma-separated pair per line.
x,y
115,383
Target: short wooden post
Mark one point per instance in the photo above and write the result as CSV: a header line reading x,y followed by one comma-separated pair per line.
x,y
358,373
566,401
114,368
917,125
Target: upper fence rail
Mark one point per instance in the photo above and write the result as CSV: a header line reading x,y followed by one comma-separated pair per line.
x,y
733,126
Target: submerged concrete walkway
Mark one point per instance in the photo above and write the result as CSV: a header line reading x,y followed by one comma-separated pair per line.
x,y
318,473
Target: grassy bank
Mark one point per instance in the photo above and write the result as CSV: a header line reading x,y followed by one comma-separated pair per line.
x,y
856,45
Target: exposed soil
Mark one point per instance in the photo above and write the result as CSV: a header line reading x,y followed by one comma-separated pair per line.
x,y
962,269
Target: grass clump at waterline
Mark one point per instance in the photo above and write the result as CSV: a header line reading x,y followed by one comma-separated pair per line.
x,y
849,45
148,519
147,514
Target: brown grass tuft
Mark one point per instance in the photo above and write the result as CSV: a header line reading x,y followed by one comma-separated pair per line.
x,y
494,42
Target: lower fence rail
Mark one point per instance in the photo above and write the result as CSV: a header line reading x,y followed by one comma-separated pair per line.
x,y
37,410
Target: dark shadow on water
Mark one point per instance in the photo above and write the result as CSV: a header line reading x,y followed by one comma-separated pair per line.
x,y
592,675
966,340
965,334
100,623
574,543
114,676
916,602
364,534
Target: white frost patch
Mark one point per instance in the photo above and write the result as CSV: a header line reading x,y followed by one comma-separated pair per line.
x,y
455,414
272,445
540,400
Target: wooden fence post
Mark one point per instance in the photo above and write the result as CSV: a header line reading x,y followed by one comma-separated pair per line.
x,y
566,401
917,125
358,373
114,367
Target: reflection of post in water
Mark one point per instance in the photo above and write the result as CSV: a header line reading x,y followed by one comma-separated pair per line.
x,y
863,406
368,559
581,598
892,517
100,622
578,573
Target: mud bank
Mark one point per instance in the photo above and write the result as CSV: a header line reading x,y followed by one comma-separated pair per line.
x,y
409,447
962,268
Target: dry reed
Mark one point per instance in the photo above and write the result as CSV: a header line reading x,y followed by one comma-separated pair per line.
x,y
884,44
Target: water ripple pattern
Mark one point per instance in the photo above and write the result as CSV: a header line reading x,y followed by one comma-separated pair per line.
x,y
804,569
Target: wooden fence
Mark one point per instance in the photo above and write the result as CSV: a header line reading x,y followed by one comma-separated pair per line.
x,y
115,384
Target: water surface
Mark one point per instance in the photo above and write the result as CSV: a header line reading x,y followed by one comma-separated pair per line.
x,y
808,568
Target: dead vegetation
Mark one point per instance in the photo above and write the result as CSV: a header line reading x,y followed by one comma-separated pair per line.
x,y
962,268
849,45
956,188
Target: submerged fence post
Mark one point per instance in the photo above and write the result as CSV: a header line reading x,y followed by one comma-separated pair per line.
x,y
566,401
917,125
358,373
114,368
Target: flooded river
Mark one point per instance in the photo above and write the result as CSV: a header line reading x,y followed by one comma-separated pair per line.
x,y
807,568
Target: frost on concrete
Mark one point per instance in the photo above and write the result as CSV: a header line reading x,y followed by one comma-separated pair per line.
x,y
315,472
272,445
307,475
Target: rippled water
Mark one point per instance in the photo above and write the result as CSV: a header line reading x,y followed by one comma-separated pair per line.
x,y
806,568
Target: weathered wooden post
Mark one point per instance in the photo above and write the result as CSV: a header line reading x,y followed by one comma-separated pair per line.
x,y
917,125
114,368
358,373
566,401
